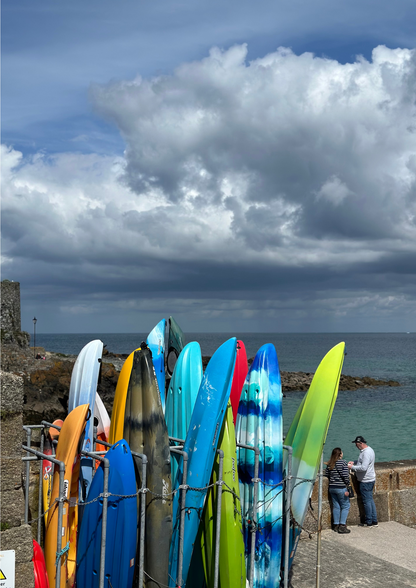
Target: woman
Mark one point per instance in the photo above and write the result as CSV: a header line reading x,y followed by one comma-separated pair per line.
x,y
339,478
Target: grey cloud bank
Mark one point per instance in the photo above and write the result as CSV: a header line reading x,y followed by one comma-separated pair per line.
x,y
272,194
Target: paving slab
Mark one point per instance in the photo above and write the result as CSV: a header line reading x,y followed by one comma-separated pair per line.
x,y
392,542
380,557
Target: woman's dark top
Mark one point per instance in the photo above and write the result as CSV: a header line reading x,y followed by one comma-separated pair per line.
x,y
339,477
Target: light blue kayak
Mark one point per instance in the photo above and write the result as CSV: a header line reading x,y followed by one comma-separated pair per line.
x,y
259,424
182,393
83,390
156,342
201,445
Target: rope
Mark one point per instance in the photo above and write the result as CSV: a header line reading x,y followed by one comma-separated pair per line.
x,y
61,553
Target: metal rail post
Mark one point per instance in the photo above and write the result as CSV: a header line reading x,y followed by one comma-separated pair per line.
x,y
142,516
40,498
61,501
106,465
62,498
288,492
218,528
143,459
28,441
183,505
255,481
318,553
254,519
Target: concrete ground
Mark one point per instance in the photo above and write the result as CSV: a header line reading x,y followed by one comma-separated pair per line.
x,y
382,557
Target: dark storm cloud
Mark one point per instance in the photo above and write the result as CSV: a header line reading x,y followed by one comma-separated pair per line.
x,y
280,187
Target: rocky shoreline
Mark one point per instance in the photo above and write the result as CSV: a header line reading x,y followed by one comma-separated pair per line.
x,y
46,381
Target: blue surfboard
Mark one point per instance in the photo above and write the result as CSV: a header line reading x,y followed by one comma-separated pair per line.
x,y
156,342
201,445
121,543
259,424
182,393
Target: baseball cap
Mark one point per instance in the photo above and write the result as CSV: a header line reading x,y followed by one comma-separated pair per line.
x,y
359,439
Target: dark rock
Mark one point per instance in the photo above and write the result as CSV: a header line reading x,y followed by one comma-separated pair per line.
x,y
46,381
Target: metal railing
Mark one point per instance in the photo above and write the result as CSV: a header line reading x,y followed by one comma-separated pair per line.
x,y
40,456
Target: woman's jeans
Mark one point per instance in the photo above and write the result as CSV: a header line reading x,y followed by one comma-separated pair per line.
x,y
340,505
366,490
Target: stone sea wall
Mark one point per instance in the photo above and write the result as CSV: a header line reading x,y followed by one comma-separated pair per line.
x,y
394,496
14,534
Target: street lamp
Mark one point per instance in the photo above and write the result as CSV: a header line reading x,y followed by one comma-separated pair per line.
x,y
35,320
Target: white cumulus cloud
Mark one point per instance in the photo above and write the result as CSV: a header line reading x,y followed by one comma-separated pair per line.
x,y
294,170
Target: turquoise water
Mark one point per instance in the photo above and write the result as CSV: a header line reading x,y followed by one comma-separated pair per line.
x,y
385,416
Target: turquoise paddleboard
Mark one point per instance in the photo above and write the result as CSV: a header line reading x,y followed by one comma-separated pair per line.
x,y
259,424
182,393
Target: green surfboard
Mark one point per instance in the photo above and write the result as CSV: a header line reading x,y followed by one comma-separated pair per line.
x,y
307,435
232,568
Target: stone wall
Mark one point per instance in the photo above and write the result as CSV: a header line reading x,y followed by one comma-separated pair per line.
x,y
394,496
14,534
10,315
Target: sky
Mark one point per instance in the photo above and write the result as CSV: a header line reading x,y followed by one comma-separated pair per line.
x,y
242,166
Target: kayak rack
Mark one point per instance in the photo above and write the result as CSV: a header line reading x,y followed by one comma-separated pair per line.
x,y
39,455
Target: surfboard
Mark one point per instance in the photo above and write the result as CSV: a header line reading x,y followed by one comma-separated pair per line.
x,y
47,466
82,390
182,392
176,342
101,414
67,451
232,568
103,426
201,445
146,432
307,434
119,404
39,567
121,542
156,343
259,424
240,373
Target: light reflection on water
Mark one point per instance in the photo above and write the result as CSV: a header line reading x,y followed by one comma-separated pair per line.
x,y
385,417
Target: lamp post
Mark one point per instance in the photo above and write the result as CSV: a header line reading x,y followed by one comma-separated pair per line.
x,y
35,320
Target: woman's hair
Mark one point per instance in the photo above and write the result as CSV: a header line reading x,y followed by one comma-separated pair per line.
x,y
335,455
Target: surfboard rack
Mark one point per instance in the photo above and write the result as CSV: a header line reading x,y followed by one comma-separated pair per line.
x,y
39,455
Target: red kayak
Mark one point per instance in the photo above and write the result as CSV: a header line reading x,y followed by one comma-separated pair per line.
x,y
240,372
39,565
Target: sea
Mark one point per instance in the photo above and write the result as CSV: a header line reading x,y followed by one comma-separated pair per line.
x,y
385,416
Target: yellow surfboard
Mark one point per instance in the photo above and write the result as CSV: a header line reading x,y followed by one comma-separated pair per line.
x,y
67,451
120,397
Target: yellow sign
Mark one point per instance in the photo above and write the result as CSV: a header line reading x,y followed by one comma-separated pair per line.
x,y
2,576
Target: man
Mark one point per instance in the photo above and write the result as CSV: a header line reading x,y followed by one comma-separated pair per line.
x,y
366,476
